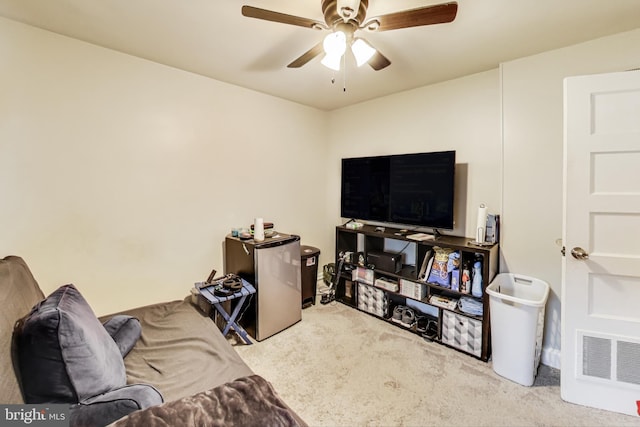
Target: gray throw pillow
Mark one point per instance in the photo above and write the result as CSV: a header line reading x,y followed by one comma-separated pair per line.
x,y
125,331
65,355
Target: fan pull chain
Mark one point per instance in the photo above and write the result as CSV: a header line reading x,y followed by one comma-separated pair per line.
x,y
344,73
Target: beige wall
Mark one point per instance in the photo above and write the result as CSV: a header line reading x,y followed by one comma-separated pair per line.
x,y
123,176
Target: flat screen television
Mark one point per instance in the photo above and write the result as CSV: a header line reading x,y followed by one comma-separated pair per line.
x,y
408,189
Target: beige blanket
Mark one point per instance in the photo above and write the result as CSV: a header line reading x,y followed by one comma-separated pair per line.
x,y
181,351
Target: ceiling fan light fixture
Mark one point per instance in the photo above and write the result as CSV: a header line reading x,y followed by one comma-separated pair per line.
x,y
332,61
344,17
335,44
362,51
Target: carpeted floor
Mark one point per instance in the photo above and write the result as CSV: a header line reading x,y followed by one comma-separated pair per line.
x,y
342,367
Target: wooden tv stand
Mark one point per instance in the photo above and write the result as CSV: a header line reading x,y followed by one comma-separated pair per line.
x,y
464,332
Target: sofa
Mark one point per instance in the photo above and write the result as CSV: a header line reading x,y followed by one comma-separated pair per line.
x,y
161,365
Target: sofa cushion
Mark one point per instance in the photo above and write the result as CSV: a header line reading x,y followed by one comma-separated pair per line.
x,y
125,331
65,355
19,292
111,406
181,351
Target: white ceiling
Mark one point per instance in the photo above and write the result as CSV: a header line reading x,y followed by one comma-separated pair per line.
x,y
212,38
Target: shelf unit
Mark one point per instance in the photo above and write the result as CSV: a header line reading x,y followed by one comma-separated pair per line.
x,y
457,329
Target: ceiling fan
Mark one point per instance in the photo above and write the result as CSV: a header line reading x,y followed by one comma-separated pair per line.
x,y
344,18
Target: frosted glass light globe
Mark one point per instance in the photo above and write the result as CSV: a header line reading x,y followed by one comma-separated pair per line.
x,y
335,44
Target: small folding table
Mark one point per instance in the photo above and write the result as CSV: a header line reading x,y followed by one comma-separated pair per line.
x,y
208,293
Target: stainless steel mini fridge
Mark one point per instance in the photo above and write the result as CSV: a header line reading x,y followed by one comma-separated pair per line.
x,y
273,267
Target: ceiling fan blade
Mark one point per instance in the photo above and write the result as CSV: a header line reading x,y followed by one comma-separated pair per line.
x,y
378,61
307,56
283,18
438,14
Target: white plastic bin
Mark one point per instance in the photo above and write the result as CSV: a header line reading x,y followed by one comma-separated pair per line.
x,y
517,306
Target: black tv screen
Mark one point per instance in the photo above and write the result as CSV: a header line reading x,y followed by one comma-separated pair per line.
x,y
412,189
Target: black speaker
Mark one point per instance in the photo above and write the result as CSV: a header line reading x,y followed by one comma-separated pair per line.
x,y
385,261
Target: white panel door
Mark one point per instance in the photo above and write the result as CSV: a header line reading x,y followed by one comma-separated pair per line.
x,y
601,269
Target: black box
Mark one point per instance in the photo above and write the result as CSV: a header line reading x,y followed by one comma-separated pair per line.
x,y
385,261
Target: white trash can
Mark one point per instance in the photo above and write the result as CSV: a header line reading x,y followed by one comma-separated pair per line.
x,y
517,306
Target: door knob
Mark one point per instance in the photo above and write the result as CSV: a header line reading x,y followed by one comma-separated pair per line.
x,y
579,253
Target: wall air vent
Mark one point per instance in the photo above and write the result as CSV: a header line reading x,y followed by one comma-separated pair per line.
x,y
627,361
596,357
609,358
